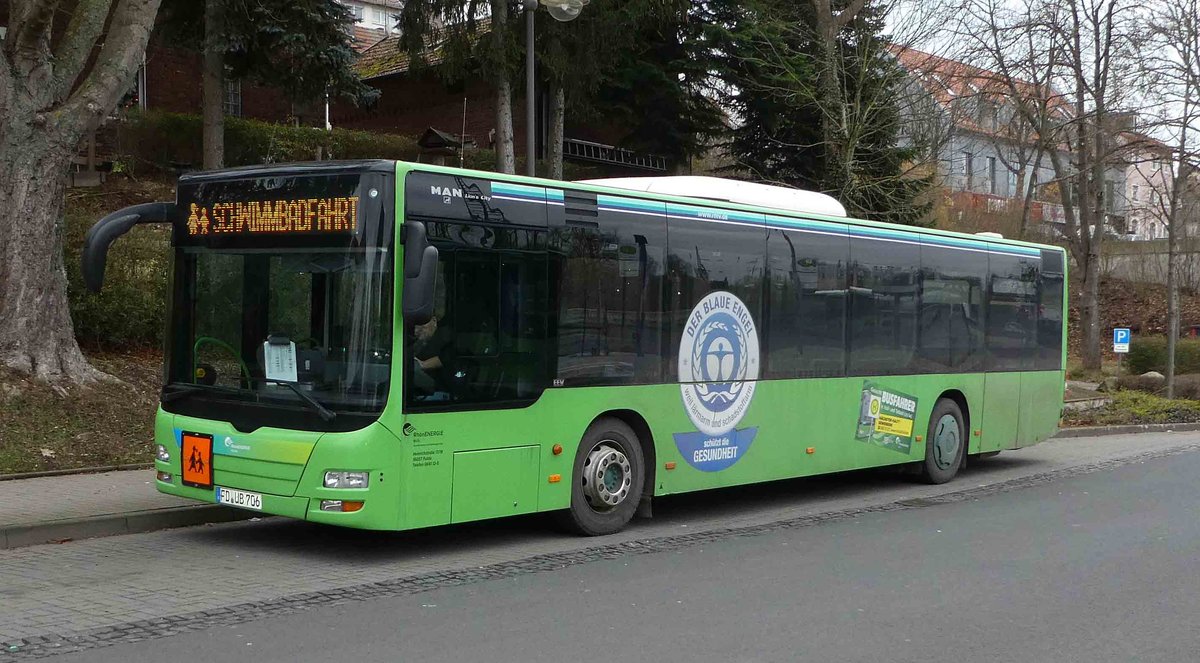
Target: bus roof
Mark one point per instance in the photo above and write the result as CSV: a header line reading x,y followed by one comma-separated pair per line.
x,y
732,191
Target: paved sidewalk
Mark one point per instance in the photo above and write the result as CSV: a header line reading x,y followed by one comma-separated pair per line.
x,y
80,506
49,509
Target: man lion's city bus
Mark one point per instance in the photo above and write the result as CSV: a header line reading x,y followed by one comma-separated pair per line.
x,y
387,345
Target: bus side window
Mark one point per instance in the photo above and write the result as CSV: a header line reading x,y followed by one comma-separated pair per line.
x,y
706,257
609,277
1012,312
884,298
950,334
805,308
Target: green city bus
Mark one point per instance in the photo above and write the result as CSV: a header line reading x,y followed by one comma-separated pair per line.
x,y
387,345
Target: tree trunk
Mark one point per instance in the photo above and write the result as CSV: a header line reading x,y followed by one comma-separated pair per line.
x,y
36,334
554,151
506,158
1172,301
55,88
1091,312
213,76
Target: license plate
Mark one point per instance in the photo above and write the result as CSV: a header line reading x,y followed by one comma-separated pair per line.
x,y
239,498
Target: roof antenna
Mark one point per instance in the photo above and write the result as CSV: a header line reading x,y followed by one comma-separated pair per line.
x,y
462,137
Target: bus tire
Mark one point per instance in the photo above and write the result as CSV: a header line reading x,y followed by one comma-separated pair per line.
x,y
945,443
607,479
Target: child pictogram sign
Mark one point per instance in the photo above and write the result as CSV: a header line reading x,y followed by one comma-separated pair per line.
x,y
196,458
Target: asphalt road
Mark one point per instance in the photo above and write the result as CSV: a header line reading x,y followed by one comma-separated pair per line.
x,y
1085,566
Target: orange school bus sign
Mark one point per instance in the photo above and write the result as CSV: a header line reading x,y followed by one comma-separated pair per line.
x,y
281,217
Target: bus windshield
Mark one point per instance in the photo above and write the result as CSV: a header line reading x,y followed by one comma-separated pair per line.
x,y
293,318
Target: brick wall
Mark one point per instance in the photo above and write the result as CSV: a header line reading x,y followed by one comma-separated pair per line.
x,y
411,104
173,83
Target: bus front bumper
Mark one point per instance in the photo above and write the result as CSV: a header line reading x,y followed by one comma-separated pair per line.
x,y
298,507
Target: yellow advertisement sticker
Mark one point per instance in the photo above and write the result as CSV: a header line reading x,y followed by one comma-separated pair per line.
x,y
893,425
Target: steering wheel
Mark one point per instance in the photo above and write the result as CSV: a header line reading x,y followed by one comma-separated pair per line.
x,y
202,340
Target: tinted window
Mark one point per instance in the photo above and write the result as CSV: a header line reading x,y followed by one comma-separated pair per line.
x,y
1012,312
805,328
950,324
487,340
705,257
1050,314
607,267
884,289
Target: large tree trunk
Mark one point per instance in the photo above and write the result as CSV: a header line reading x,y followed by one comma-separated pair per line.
x,y
213,91
36,334
554,151
55,88
506,158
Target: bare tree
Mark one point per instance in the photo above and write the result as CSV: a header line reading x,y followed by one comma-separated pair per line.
x,y
63,68
1175,86
1087,49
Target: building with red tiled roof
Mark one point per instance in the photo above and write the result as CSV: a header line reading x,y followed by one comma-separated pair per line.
x,y
986,155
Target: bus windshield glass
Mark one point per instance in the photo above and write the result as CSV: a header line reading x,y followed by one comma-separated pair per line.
x,y
283,297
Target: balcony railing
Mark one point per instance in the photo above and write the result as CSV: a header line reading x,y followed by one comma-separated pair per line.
x,y
583,150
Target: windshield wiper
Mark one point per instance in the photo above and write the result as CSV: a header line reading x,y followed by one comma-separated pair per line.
x,y
184,391
325,413
180,392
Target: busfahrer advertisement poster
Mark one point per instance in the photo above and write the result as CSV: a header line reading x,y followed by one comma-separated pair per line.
x,y
885,418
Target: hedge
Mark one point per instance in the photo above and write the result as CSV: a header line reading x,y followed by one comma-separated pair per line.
x,y
169,142
130,311
1149,353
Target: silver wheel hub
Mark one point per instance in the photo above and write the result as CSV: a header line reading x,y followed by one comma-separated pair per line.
x,y
607,476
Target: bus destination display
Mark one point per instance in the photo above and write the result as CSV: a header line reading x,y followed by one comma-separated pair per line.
x,y
295,216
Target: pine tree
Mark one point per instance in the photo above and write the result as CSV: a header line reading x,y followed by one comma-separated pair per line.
x,y
767,62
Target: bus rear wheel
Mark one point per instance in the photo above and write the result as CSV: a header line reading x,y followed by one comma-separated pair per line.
x,y
945,444
607,479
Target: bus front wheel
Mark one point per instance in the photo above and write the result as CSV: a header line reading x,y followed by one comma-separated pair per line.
x,y
608,477
945,443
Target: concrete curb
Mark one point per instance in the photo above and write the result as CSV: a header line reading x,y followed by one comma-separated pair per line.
x,y
17,536
1089,431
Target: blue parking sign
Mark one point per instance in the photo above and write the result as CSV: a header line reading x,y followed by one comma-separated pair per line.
x,y
1121,338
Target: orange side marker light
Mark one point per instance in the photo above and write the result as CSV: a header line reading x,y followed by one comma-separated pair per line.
x,y
556,449
555,478
978,432
348,507
670,465
810,450
920,437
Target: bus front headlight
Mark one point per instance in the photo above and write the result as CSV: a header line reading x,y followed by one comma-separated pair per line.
x,y
346,479
161,453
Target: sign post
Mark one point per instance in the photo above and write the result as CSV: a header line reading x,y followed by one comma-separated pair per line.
x,y
1121,337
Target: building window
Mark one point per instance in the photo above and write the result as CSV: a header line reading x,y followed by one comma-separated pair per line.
x,y
1109,197
968,171
1136,193
233,97
379,17
993,185
359,13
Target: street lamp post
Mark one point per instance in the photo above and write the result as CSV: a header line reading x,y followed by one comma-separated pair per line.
x,y
560,10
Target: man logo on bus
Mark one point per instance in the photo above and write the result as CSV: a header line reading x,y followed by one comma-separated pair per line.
x,y
718,364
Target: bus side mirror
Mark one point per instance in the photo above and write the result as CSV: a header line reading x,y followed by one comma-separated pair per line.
x,y
105,231
420,274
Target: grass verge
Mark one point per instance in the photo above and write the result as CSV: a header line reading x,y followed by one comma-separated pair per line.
x,y
1136,407
58,428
